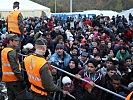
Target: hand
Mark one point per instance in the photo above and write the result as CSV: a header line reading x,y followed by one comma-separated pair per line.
x,y
77,76
65,92
60,62
92,84
54,71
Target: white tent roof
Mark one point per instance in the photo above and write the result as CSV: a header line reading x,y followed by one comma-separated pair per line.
x,y
126,13
27,8
7,5
109,13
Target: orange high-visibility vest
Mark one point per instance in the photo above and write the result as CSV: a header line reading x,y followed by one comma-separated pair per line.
x,y
13,22
129,96
33,65
7,72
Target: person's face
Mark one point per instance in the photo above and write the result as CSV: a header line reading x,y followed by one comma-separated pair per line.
x,y
131,49
94,44
15,43
72,64
48,37
74,52
109,45
61,41
111,72
109,64
59,51
67,87
98,58
128,62
83,49
102,42
123,51
91,68
121,42
95,50
115,84
44,48
83,58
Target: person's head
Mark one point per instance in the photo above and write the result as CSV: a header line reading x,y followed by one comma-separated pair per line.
x,y
74,51
84,56
97,57
128,61
13,40
59,39
111,71
48,36
59,49
67,83
115,81
56,29
109,45
123,50
121,41
95,50
16,5
103,42
83,48
109,62
91,66
41,45
94,44
73,63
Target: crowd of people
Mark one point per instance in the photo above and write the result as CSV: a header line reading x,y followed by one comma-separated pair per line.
x,y
98,49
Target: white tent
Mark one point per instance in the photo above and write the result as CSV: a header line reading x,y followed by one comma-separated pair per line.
x,y
27,7
126,13
109,13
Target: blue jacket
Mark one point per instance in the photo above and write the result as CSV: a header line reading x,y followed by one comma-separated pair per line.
x,y
55,58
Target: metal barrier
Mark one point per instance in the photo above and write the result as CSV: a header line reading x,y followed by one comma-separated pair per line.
x,y
102,88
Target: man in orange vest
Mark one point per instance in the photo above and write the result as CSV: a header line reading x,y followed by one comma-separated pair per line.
x,y
11,69
15,20
39,74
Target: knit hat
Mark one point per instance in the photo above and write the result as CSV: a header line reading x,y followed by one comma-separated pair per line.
x,y
12,37
28,46
59,46
41,41
66,79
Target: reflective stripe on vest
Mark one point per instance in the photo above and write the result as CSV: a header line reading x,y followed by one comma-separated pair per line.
x,y
33,64
13,25
8,73
4,64
34,78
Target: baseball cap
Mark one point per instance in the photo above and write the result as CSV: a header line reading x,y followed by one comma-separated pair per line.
x,y
84,54
13,37
41,41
